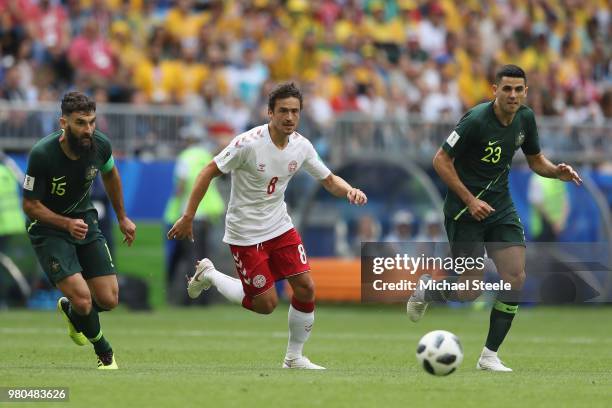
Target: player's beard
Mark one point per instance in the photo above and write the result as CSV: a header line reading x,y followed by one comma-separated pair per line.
x,y
77,146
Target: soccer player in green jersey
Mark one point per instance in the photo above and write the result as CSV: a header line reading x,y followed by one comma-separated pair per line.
x,y
63,224
474,163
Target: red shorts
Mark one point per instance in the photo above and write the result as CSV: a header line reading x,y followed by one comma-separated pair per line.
x,y
259,266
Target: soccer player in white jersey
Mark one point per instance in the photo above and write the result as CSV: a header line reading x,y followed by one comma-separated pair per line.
x,y
264,244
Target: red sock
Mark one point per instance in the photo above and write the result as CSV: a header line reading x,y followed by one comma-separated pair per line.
x,y
247,303
304,307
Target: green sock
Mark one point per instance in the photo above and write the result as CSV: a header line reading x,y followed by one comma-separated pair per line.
x,y
500,321
90,326
101,345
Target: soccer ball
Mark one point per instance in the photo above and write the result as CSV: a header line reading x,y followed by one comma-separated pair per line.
x,y
439,352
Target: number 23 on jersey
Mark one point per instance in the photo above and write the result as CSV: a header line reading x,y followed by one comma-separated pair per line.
x,y
492,154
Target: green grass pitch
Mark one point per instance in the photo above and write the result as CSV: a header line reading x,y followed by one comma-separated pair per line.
x,y
223,356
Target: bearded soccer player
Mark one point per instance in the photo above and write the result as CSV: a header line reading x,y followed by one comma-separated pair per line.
x,y
63,224
265,245
474,163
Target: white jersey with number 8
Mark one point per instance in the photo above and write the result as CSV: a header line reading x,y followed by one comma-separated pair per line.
x,y
260,173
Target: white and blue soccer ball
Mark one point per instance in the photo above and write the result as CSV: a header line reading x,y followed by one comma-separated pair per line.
x,y
439,352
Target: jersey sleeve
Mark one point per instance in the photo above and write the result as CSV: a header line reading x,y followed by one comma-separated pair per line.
x,y
34,182
232,156
531,145
459,140
105,152
313,163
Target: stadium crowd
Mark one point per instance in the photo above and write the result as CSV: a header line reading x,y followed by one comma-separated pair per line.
x,y
378,57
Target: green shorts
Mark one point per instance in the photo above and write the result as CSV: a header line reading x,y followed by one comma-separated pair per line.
x,y
468,239
60,255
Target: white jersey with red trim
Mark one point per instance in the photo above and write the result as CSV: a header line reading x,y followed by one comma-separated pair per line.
x,y
260,173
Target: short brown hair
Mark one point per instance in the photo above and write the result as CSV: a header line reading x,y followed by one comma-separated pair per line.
x,y
283,91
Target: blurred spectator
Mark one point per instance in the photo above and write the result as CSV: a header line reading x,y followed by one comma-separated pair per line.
x,y
579,110
25,67
363,55
347,100
402,82
91,54
208,103
328,13
11,88
124,46
371,103
12,221
237,114
490,30
402,227
367,230
157,78
386,31
100,12
51,30
318,106
509,53
351,16
568,65
431,229
515,14
48,120
413,49
432,31
183,22
181,254
246,78
442,105
15,16
474,87
549,208
193,73
77,15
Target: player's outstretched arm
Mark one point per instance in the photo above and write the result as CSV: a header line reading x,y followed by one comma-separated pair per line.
x,y
340,188
545,168
183,227
443,164
114,190
36,210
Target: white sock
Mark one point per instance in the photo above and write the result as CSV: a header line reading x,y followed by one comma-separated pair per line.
x,y
229,287
300,325
488,353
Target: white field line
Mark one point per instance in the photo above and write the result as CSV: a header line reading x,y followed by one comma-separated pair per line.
x,y
16,331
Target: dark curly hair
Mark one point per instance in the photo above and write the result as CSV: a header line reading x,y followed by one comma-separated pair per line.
x,y
77,102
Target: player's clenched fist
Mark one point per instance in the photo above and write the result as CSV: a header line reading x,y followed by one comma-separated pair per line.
x,y
77,228
356,196
479,209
